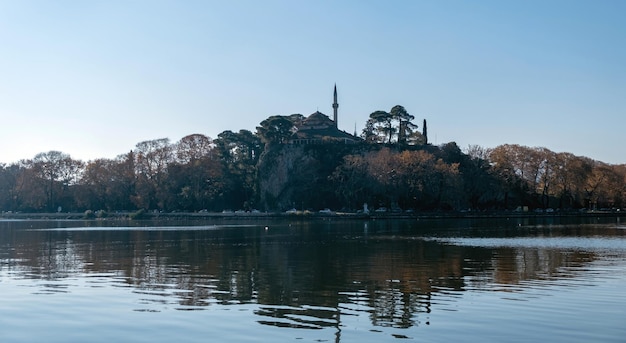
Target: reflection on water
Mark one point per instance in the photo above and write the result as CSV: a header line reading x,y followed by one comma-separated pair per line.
x,y
346,280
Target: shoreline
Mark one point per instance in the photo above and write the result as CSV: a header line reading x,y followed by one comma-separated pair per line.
x,y
305,215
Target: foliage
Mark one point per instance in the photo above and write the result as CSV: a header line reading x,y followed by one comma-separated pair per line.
x,y
561,180
398,179
401,171
275,130
395,126
238,154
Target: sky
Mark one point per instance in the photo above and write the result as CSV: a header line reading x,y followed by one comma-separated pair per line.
x,y
94,78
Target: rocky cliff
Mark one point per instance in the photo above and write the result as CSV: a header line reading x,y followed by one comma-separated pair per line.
x,y
298,175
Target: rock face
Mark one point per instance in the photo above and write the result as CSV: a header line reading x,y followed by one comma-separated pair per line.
x,y
292,175
276,168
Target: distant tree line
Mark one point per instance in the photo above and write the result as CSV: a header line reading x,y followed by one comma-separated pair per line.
x,y
393,166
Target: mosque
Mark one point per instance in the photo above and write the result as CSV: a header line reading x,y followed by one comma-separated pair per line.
x,y
318,128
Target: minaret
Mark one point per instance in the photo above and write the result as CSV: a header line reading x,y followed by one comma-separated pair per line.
x,y
335,106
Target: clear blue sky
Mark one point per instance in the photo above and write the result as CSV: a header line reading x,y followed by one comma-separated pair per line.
x,y
94,78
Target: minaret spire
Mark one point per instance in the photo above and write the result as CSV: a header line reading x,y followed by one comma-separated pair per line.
x,y
335,106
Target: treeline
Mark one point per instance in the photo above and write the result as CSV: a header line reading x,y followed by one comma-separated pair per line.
x,y
432,178
393,166
193,174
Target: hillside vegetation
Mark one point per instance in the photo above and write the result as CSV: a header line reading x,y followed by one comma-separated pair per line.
x,y
391,166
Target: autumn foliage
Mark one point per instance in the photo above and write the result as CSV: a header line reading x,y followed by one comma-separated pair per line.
x,y
397,172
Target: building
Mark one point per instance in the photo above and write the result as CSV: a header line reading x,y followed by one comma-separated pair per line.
x,y
318,128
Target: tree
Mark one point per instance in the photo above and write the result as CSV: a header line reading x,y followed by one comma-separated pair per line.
x,y
408,178
56,172
620,188
108,184
95,183
151,161
368,133
195,179
192,148
506,170
239,154
551,179
276,129
383,128
393,126
570,172
7,182
297,119
546,175
479,182
405,124
351,180
124,188
603,185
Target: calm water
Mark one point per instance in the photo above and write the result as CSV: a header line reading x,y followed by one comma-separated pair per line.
x,y
317,281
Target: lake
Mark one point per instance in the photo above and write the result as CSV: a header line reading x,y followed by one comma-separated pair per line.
x,y
319,280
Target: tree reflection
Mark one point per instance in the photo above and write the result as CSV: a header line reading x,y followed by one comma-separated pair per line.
x,y
302,275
